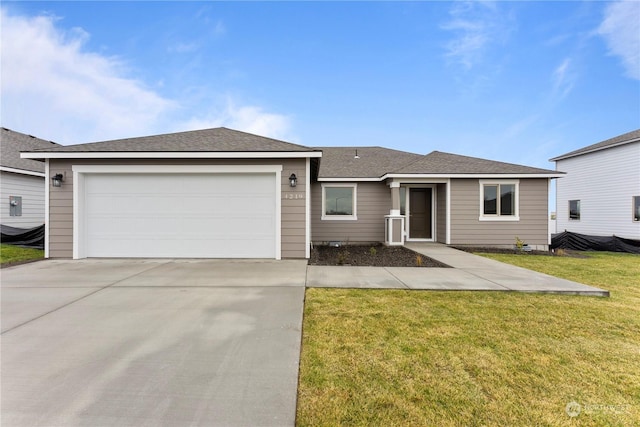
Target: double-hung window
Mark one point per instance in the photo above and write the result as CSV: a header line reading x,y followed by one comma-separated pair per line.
x,y
339,201
499,200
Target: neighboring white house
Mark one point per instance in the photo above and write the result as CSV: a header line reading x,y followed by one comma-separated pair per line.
x,y
600,195
22,189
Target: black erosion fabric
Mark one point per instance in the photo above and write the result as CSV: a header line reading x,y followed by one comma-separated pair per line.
x,y
581,242
29,237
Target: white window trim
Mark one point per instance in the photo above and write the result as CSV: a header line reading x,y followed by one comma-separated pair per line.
x,y
497,216
353,217
579,210
633,208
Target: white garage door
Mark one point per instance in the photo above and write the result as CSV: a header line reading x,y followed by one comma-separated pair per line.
x,y
180,215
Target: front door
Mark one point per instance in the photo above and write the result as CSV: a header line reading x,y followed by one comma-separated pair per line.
x,y
420,214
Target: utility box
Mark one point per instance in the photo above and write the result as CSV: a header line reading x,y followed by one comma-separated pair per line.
x,y
15,206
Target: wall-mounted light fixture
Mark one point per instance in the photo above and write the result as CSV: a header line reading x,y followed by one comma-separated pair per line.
x,y
57,179
293,180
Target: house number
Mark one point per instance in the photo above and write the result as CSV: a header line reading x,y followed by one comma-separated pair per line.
x,y
293,196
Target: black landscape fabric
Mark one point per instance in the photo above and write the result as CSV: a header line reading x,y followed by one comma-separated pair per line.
x,y
29,237
581,242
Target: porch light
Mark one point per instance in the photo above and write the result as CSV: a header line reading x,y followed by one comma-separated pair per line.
x,y
293,180
57,179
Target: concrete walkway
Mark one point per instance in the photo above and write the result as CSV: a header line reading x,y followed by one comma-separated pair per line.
x,y
469,273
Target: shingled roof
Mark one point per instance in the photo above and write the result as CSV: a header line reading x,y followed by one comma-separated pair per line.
x,y
206,140
12,143
372,162
438,163
375,162
626,138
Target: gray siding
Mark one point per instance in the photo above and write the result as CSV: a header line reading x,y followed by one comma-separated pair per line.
x,y
466,229
292,213
374,202
441,213
31,189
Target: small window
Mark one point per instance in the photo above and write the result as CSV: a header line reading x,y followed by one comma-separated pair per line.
x,y
499,201
636,208
339,201
574,210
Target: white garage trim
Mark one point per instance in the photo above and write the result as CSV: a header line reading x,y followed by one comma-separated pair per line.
x,y
307,208
172,155
80,171
47,209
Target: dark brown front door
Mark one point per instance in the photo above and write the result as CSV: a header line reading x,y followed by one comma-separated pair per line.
x,y
420,213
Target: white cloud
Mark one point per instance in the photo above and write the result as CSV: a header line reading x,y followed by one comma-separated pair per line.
x,y
56,89
620,29
247,118
219,28
182,47
53,88
563,79
476,25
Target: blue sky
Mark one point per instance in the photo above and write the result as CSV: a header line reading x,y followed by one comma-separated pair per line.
x,y
513,81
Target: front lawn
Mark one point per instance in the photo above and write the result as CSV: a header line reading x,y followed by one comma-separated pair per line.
x,y
395,357
10,254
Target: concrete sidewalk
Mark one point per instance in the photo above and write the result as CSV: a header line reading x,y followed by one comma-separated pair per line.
x,y
469,273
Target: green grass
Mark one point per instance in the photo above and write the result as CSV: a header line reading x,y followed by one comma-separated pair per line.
x,y
10,254
394,357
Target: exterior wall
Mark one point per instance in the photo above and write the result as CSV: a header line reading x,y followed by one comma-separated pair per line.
x,y
292,213
441,213
605,182
373,203
31,189
467,229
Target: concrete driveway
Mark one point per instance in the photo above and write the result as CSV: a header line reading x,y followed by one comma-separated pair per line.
x,y
151,342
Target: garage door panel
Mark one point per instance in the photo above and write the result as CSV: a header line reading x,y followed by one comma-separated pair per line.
x,y
181,215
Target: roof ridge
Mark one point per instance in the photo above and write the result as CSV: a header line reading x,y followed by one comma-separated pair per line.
x,y
411,162
261,136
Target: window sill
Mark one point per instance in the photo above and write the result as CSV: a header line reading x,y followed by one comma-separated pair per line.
x,y
500,218
338,218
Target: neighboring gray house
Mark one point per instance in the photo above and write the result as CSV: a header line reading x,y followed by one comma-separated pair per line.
x,y
220,193
22,189
600,195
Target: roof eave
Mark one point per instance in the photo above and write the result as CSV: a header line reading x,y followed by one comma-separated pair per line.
x,y
474,175
444,176
351,179
21,171
170,154
593,150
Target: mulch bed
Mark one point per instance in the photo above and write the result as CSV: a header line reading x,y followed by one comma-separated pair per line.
x,y
371,256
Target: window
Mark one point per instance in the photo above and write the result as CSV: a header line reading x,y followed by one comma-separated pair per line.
x,y
574,210
636,208
339,201
499,201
